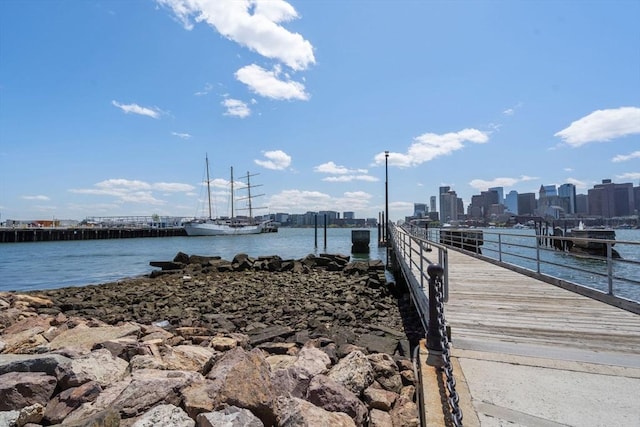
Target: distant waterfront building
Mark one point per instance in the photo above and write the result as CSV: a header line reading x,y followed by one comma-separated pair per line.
x,y
475,209
582,204
511,202
348,215
547,191
420,210
441,193
568,192
450,205
491,197
433,204
610,200
526,203
500,192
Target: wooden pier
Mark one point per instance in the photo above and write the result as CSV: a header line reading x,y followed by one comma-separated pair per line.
x,y
41,234
527,352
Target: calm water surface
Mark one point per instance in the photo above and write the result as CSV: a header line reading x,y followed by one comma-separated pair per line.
x,y
46,265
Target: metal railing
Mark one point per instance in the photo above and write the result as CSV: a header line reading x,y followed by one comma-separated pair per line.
x,y
610,274
428,285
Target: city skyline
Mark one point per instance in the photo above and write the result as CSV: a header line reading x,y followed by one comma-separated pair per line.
x,y
109,108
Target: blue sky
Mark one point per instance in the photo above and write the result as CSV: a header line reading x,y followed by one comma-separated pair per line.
x,y
109,107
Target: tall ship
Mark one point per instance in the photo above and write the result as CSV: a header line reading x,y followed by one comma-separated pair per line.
x,y
233,225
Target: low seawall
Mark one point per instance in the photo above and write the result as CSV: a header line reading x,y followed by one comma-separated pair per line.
x,y
16,235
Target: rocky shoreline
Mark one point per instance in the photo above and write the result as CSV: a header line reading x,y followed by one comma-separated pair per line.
x,y
206,341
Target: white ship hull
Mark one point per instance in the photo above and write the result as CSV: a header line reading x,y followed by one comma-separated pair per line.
x,y
214,228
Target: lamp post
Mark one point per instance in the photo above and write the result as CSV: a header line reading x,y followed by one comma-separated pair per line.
x,y
386,203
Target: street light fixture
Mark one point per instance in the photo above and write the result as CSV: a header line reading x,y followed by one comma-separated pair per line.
x,y
386,203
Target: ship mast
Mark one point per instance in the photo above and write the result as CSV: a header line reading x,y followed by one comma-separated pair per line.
x,y
208,184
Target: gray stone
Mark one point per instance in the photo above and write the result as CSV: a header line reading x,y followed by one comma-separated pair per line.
x,y
378,418
164,416
312,360
377,398
294,412
243,379
231,416
150,387
46,363
20,389
353,371
83,338
69,400
386,371
99,366
334,397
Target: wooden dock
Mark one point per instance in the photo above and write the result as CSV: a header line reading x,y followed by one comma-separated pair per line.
x,y
531,353
46,234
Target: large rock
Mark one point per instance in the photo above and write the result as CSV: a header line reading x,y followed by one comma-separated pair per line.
x,y
69,400
405,413
83,338
291,381
231,416
47,363
377,398
243,379
353,371
294,412
20,389
150,387
188,358
334,397
164,416
99,366
312,361
386,371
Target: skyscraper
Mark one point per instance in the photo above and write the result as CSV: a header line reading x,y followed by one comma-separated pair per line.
x,y
511,202
568,191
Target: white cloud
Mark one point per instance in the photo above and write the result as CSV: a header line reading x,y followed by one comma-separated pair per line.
x,y
268,84
133,190
137,109
349,178
344,174
207,89
428,146
601,126
300,201
236,108
38,197
332,168
181,135
484,185
630,176
253,24
625,157
276,160
581,185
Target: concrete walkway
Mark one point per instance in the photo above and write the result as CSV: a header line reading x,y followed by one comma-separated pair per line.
x,y
527,353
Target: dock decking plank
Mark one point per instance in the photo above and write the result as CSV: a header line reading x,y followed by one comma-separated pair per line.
x,y
490,302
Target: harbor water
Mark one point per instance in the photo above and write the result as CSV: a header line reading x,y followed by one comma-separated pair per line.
x,y
46,265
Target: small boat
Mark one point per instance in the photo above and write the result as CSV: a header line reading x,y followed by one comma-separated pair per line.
x,y
227,226
592,241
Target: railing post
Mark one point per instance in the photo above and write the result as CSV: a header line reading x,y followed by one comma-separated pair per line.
x,y
500,247
538,255
421,268
434,336
610,268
